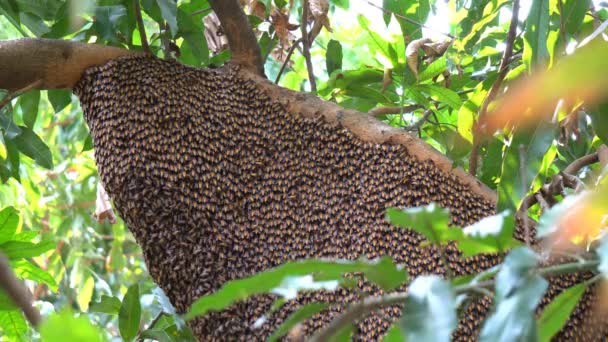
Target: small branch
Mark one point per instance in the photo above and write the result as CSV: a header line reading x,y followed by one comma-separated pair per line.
x,y
202,11
287,58
524,188
416,125
502,73
17,292
392,110
141,27
13,94
556,186
306,46
369,304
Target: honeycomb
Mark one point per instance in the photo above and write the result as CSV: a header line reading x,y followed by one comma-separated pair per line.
x,y
218,182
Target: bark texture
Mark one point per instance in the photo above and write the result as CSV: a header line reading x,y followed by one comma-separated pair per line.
x,y
52,63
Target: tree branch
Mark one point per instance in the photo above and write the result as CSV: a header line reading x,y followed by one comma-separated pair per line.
x,y
502,72
53,63
392,110
556,186
17,292
241,39
306,47
141,27
287,58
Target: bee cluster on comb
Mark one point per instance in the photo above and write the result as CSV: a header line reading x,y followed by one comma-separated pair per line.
x,y
217,182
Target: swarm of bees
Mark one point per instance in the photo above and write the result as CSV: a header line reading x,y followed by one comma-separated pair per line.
x,y
217,182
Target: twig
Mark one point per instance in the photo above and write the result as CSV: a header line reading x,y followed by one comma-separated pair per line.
x,y
369,304
502,73
17,292
201,11
289,53
557,183
411,21
306,45
139,338
392,110
416,125
141,27
595,33
13,94
524,188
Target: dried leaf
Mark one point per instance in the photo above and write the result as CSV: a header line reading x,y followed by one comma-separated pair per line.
x,y
411,53
258,9
103,207
281,24
318,11
387,79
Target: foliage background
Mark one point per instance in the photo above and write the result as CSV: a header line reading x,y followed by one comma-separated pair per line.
x,y
74,264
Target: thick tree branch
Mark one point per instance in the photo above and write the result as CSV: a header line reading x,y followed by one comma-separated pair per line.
x,y
17,292
49,63
241,39
502,73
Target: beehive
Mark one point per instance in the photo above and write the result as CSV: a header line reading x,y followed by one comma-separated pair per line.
x,y
217,182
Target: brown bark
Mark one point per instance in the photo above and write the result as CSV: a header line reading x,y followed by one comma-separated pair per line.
x,y
52,63
243,44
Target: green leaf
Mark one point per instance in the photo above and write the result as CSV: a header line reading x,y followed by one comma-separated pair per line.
x,y
599,119
32,146
10,128
6,303
556,314
436,68
333,56
85,292
107,304
59,99
13,325
302,314
24,269
430,310
29,107
129,315
492,234
156,335
536,141
194,43
431,221
19,249
467,113
573,14
12,158
518,292
394,334
63,327
168,9
441,94
383,272
9,220
88,143
107,20
536,34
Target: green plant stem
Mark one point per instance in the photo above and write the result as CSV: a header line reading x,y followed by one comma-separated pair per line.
x,y
360,309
